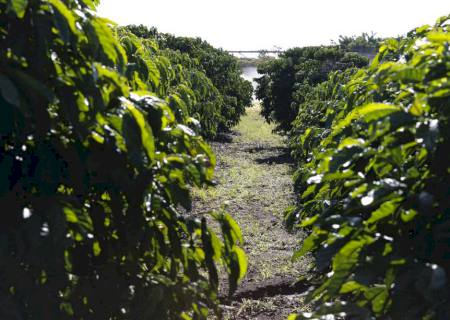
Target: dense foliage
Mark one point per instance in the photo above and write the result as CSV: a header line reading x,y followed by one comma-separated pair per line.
x,y
96,160
287,81
176,76
221,67
366,44
374,183
316,114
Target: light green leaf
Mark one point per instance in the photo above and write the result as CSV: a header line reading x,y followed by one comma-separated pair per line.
x,y
108,43
350,142
242,260
216,246
70,215
438,37
408,215
19,7
96,248
385,210
369,112
147,138
309,221
66,13
350,286
416,108
234,228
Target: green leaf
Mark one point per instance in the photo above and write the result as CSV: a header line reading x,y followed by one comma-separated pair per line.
x,y
350,286
71,216
19,7
409,74
107,41
385,210
216,246
379,298
438,37
147,138
66,13
9,91
236,230
369,112
350,142
24,80
96,248
408,215
416,108
309,221
242,260
308,244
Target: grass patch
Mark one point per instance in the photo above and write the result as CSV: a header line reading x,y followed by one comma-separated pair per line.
x,y
254,129
255,183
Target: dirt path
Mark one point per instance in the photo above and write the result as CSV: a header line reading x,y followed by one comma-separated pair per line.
x,y
254,179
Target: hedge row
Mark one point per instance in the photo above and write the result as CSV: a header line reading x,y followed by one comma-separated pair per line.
x,y
373,173
219,66
98,151
374,183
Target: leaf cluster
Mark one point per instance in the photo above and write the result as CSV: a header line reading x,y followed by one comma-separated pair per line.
x,y
365,43
220,67
288,80
375,184
98,152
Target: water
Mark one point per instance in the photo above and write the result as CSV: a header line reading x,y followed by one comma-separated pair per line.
x,y
249,73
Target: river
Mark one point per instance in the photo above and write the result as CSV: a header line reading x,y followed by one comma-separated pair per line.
x,y
249,73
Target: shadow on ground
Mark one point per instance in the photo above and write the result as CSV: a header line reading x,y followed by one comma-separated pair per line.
x,y
254,175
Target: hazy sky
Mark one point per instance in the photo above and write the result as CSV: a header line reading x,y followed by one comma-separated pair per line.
x,y
262,24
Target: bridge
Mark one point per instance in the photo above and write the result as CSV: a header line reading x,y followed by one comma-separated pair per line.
x,y
254,51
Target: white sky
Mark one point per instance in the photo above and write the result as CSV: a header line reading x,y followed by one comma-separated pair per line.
x,y
263,24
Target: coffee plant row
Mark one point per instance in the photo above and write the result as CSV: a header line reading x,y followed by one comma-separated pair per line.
x,y
286,81
99,145
222,68
374,182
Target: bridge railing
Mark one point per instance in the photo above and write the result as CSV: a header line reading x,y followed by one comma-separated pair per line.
x,y
255,51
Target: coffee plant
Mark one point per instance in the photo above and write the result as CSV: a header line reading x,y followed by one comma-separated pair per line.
x,y
375,188
219,66
287,81
97,156
174,75
316,114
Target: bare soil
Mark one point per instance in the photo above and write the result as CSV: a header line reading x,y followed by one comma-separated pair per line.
x,y
254,182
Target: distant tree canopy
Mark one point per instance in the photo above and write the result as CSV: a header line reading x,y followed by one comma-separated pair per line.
x,y
221,67
365,43
262,58
287,80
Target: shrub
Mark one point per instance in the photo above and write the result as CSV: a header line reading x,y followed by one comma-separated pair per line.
x,y
94,169
376,193
287,81
219,66
188,91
